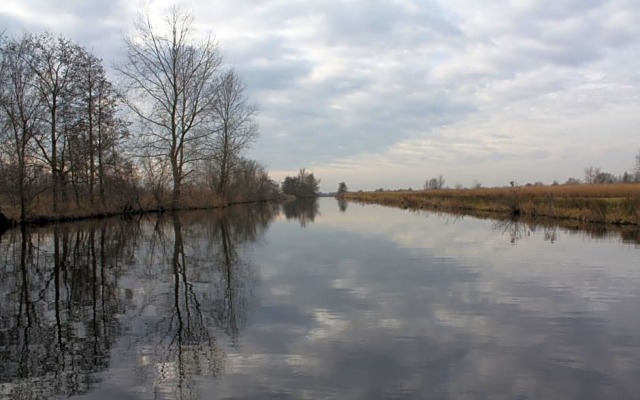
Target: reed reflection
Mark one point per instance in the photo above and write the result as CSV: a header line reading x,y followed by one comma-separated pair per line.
x,y
519,228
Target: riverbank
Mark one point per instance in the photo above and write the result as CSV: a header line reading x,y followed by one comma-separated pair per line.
x,y
10,220
611,204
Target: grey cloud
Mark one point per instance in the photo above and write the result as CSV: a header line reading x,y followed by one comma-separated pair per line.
x,y
337,79
381,24
559,10
370,126
8,24
95,25
272,76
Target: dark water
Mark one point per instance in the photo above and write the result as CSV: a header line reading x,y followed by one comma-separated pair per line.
x,y
323,300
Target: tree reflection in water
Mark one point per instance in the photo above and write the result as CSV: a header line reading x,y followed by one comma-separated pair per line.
x,y
58,315
342,204
519,228
304,210
513,227
159,293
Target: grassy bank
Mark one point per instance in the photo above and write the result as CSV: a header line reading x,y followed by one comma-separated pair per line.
x,y
614,204
41,214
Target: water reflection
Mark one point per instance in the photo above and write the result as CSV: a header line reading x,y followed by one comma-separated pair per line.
x,y
519,228
342,204
381,303
58,314
373,303
303,210
166,290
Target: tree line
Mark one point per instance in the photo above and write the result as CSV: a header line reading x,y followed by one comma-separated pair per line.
x,y
171,132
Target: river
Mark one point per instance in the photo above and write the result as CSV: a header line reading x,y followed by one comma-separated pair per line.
x,y
318,300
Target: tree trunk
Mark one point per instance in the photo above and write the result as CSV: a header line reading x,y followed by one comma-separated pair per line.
x,y
54,161
177,181
222,182
100,167
92,166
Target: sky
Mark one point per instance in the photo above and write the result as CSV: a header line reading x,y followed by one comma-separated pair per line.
x,y
391,93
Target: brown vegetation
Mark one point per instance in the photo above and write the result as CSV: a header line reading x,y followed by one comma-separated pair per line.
x,y
615,204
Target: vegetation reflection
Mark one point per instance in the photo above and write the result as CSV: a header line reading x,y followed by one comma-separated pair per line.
x,y
342,204
519,228
163,291
61,299
304,210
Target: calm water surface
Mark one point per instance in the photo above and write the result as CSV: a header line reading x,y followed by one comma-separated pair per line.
x,y
321,300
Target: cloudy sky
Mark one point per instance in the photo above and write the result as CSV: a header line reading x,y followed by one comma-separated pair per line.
x,y
390,93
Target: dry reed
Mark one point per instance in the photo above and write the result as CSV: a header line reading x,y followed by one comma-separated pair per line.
x,y
616,204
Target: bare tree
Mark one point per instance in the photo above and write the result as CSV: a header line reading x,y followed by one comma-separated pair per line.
x,y
60,121
21,112
52,61
434,183
250,181
591,174
100,130
235,129
171,82
157,178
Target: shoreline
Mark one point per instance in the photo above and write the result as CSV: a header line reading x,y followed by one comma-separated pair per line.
x,y
7,223
602,204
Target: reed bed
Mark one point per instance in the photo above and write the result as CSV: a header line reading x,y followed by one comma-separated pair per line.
x,y
614,204
41,213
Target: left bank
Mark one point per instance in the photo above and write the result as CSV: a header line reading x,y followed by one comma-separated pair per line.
x,y
7,223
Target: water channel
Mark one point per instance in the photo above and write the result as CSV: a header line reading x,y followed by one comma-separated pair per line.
x,y
318,300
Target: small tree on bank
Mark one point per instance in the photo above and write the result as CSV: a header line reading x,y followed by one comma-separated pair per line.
x,y
434,183
342,188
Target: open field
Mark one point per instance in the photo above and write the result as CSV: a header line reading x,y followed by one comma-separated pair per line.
x,y
614,204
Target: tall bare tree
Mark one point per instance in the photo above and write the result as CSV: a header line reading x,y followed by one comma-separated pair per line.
x,y
99,130
236,129
21,113
170,78
52,61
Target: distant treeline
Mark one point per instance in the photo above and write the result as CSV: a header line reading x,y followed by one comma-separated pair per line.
x,y
171,133
301,186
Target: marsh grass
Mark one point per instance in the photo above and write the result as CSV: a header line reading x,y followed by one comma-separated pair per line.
x,y
616,204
